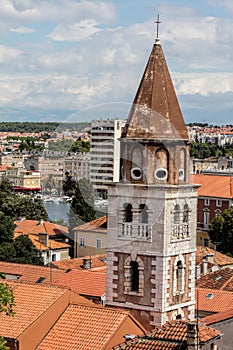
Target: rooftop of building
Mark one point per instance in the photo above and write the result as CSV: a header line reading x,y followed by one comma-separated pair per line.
x,y
98,262
99,224
86,328
31,301
218,280
217,258
25,226
172,335
215,186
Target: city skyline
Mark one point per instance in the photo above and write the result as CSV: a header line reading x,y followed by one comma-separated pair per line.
x,y
81,60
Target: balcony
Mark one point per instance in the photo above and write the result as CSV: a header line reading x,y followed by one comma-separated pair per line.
x,y
180,231
134,231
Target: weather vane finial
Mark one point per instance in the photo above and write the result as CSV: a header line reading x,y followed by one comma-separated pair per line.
x,y
158,23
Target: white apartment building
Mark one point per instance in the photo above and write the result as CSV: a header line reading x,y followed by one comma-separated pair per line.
x,y
78,165
105,154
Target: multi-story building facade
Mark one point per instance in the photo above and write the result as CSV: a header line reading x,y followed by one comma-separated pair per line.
x,y
105,154
23,180
214,196
78,165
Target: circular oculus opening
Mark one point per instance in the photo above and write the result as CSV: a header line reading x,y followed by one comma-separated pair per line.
x,y
136,173
161,174
181,174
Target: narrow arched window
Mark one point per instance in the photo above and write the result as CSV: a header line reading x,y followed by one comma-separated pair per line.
x,y
182,165
161,164
143,214
134,276
179,275
185,213
128,213
177,214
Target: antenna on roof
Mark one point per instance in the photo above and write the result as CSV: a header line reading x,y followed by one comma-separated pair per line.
x,y
157,32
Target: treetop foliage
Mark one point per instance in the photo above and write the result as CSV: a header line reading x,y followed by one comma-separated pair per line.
x,y
221,232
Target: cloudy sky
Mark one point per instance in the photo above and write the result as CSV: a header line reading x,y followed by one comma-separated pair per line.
x,y
71,60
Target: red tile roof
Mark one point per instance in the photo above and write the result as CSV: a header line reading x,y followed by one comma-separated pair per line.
x,y
31,301
85,328
30,273
98,262
220,316
172,335
99,225
36,227
85,282
213,300
218,259
217,186
52,244
220,279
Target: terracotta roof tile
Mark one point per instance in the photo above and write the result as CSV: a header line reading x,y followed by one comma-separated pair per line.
x,y
52,244
218,317
31,300
84,328
147,344
98,262
219,258
99,225
213,300
36,227
217,279
217,186
84,282
172,335
30,273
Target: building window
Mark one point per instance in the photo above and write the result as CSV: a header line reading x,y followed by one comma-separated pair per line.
x,y
206,242
207,201
53,257
82,242
99,243
179,275
134,276
128,213
206,218
134,272
143,213
217,212
218,203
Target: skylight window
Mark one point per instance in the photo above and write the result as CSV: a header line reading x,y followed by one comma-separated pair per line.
x,y
40,279
209,296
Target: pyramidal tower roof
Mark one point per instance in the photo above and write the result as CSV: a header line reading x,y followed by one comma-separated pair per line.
x,y
155,113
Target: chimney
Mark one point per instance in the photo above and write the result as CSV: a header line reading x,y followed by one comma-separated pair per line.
x,y
44,239
87,263
210,258
192,335
204,266
41,221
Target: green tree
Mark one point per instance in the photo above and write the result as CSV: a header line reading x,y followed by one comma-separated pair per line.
x,y
26,252
21,250
80,146
82,204
68,185
82,207
221,232
7,227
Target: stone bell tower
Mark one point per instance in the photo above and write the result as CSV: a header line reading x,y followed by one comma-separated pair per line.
x,y
152,209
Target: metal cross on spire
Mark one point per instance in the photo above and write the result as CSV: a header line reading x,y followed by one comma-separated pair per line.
x,y
158,23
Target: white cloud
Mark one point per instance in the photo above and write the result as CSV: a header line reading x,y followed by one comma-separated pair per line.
x,y
8,54
75,32
22,30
